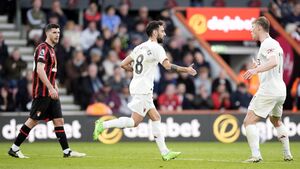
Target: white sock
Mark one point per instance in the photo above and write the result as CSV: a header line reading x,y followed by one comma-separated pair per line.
x,y
66,151
253,140
15,148
122,122
159,137
284,139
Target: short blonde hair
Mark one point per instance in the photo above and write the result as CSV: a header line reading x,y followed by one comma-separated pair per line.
x,y
263,22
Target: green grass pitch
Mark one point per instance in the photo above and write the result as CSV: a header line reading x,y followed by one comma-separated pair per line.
x,y
145,155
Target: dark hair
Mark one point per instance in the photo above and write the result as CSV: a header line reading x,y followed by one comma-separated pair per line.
x,y
263,22
152,26
50,26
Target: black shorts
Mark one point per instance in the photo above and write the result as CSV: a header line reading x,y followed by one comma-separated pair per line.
x,y
45,108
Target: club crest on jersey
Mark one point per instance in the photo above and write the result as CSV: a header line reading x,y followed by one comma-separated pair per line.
x,y
42,54
270,50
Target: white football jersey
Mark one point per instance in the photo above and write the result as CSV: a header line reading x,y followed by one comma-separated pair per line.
x,y
146,57
271,81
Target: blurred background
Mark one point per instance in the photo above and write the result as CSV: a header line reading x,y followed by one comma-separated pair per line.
x,y
97,35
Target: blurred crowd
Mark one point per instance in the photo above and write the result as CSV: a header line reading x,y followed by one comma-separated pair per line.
x,y
89,56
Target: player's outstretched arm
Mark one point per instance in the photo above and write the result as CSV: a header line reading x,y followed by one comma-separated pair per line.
x,y
180,69
43,76
126,64
270,64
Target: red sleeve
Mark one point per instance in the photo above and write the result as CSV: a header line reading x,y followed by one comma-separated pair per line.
x,y
42,54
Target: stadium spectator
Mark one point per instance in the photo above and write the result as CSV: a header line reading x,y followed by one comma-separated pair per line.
x,y
169,100
221,97
254,3
110,19
202,99
167,78
295,93
178,36
76,68
139,32
221,79
73,32
124,36
275,9
202,79
196,2
64,50
117,47
188,81
107,36
109,97
170,4
90,85
117,81
294,16
240,99
165,15
24,94
143,16
109,64
89,35
218,3
126,19
13,67
174,50
190,46
199,61
36,20
125,99
185,99
6,100
92,14
98,45
57,11
3,53
96,58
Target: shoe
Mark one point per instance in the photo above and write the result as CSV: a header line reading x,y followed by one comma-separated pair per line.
x,y
253,160
17,154
171,155
98,129
74,154
288,158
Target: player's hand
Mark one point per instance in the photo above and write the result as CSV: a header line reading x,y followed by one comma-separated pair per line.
x,y
53,93
191,70
249,73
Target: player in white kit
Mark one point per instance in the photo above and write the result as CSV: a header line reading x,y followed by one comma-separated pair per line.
x,y
143,61
271,94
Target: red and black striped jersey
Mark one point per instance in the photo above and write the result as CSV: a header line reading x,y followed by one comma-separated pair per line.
x,y
44,53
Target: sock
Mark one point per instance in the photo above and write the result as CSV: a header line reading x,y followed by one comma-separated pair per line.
x,y
159,137
61,136
24,131
122,122
253,139
284,139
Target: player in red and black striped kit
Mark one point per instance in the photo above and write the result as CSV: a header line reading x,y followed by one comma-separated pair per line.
x,y
46,105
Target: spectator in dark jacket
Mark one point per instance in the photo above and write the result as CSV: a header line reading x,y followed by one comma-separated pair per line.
x,y
240,99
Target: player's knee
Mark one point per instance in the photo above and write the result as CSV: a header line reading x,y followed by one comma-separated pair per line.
x,y
58,122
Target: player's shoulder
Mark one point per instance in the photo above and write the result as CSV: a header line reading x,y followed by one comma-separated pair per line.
x,y
270,42
41,45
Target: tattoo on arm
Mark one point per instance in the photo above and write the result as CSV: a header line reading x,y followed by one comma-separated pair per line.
x,y
174,67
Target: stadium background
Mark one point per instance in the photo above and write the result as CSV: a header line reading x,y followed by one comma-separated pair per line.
x,y
208,107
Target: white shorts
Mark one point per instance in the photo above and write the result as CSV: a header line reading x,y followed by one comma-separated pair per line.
x,y
267,105
141,103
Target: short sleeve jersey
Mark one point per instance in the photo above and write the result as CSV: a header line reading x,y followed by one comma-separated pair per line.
x,y
146,57
271,81
44,53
